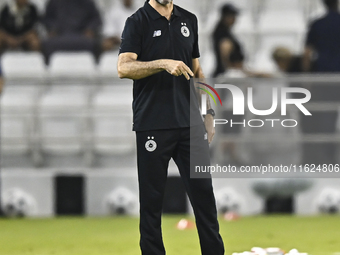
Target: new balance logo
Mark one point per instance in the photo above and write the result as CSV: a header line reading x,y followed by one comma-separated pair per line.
x,y
157,33
206,136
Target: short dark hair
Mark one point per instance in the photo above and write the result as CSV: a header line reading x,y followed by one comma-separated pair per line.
x,y
229,9
331,4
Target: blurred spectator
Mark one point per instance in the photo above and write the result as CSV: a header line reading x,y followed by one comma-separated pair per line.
x,y
114,23
224,41
323,40
286,61
236,67
72,25
17,26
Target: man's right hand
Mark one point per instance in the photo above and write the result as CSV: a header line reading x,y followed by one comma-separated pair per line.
x,y
177,68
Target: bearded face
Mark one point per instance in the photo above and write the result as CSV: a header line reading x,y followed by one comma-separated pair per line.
x,y
164,2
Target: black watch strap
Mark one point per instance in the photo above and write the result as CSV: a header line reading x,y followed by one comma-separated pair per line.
x,y
211,112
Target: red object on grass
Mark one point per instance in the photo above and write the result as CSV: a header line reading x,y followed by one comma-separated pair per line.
x,y
231,216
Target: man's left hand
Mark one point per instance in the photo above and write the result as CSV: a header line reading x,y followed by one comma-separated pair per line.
x,y
209,126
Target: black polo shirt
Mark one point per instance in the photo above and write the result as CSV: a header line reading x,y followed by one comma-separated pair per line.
x,y
162,101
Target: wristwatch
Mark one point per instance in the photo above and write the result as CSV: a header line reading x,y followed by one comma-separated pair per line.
x,y
211,112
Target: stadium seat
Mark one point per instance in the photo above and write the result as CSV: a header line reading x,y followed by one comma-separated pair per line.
x,y
63,116
108,64
23,64
73,64
16,133
283,5
112,120
19,98
25,75
281,22
18,147
18,111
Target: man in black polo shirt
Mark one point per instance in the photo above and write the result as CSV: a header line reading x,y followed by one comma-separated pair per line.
x,y
159,51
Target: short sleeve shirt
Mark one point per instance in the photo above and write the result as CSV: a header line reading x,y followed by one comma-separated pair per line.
x,y
162,101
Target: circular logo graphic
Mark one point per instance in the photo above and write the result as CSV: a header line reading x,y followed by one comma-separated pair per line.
x,y
185,31
150,145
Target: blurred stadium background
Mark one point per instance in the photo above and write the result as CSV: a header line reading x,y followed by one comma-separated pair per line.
x,y
67,147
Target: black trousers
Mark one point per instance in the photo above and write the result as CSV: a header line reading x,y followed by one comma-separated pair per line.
x,y
154,151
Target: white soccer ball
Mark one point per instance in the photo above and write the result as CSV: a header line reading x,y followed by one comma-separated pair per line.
x,y
227,200
328,201
17,203
120,201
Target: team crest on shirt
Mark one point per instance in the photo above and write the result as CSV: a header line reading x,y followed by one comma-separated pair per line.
x,y
150,144
185,30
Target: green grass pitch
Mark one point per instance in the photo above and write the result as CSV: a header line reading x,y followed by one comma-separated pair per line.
x,y
119,235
